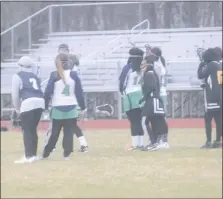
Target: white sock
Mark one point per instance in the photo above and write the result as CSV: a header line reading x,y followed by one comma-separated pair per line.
x,y
140,140
82,141
134,141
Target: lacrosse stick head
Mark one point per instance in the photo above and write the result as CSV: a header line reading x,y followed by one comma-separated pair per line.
x,y
200,52
104,110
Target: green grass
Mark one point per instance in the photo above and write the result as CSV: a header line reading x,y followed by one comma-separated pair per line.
x,y
108,170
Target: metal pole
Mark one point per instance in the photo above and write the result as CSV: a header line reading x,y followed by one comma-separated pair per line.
x,y
29,34
182,104
119,95
12,44
50,19
140,12
61,19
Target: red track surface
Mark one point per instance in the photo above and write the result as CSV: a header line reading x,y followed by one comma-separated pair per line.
x,y
123,124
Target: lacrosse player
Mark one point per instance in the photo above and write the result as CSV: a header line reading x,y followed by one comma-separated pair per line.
x,y
153,110
210,69
28,101
64,87
160,68
73,62
130,88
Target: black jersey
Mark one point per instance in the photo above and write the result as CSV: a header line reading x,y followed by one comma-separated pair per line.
x,y
212,74
151,95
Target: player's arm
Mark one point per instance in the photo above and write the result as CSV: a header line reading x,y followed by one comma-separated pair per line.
x,y
16,86
203,70
49,90
122,77
149,85
78,90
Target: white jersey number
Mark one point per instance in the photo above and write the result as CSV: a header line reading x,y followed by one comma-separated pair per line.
x,y
34,83
133,83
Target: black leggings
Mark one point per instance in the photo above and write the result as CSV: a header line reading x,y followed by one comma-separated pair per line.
x,y
159,127
134,117
68,127
217,115
29,123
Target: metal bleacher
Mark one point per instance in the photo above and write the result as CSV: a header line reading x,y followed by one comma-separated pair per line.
x,y
103,53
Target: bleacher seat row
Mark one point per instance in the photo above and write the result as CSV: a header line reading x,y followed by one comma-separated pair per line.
x,y
101,60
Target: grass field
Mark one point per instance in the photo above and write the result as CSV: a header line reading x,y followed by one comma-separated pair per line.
x,y
108,170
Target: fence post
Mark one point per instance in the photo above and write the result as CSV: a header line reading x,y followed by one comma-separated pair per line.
x,y
50,19
118,93
12,44
29,34
61,19
140,12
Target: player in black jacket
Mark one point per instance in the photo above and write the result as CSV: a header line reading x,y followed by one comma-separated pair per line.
x,y
153,110
211,71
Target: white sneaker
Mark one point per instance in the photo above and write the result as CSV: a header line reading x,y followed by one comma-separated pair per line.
x,y
164,145
22,160
66,158
33,159
161,145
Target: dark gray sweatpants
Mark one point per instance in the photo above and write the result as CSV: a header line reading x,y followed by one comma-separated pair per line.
x,y
68,126
29,123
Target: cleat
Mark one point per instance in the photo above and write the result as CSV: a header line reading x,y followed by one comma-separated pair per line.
x,y
22,160
156,146
83,149
33,159
207,145
163,145
217,144
132,148
140,147
147,147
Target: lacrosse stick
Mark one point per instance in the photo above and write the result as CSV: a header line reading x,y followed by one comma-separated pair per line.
x,y
48,134
99,110
81,119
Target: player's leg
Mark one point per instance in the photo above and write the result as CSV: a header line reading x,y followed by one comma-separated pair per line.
x,y
208,129
162,126
52,137
165,134
134,136
146,121
218,121
68,126
137,125
37,115
27,122
83,143
159,127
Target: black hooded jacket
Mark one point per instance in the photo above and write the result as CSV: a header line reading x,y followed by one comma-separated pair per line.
x,y
211,71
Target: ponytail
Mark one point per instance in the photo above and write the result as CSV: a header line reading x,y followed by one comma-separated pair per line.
x,y
60,69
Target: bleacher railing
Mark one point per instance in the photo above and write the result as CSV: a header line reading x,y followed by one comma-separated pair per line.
x,y
27,31
118,41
